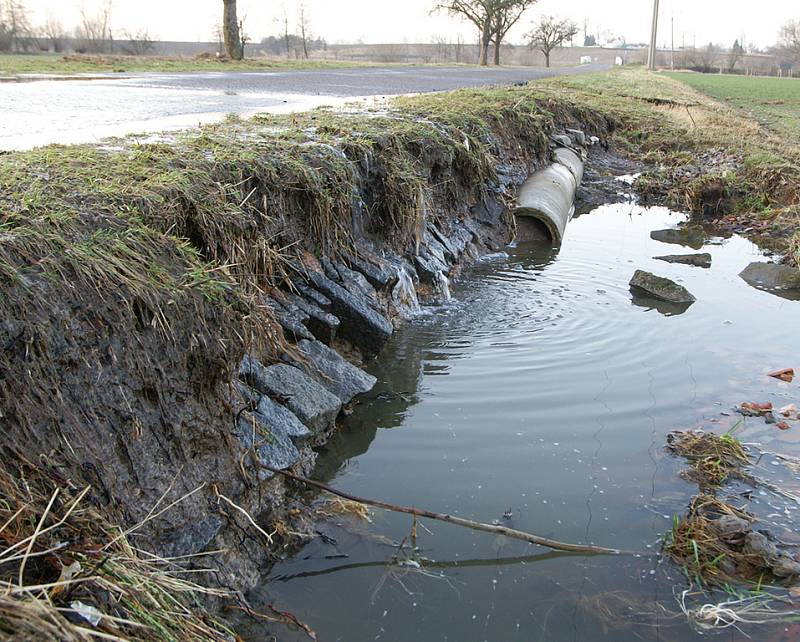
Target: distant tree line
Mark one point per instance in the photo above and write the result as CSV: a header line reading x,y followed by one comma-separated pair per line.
x,y
93,33
717,58
293,45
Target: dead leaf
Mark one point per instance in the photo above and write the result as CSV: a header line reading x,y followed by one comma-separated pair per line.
x,y
782,425
788,411
752,408
786,374
67,574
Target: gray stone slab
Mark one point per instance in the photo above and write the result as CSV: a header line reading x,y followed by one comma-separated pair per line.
x,y
450,252
361,325
323,325
292,321
692,236
435,249
272,448
313,295
783,280
698,260
660,287
280,419
314,405
428,267
379,273
333,372
355,277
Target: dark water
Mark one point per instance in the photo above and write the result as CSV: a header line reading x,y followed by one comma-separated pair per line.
x,y
544,392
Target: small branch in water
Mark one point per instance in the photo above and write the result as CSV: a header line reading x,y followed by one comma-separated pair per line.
x,y
458,521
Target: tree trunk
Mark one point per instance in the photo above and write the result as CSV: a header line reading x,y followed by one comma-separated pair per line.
x,y
486,39
305,42
230,31
547,58
497,52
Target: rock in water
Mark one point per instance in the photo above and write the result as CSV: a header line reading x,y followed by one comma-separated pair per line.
x,y
661,288
693,236
698,260
773,278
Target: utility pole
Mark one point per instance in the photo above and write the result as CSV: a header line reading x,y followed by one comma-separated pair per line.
x,y
672,45
651,57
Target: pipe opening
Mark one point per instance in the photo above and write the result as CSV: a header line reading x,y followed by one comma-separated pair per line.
x,y
533,230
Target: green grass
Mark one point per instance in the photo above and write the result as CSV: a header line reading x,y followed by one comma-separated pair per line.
x,y
11,65
775,102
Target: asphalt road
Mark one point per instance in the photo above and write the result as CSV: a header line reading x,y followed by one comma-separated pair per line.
x,y
83,110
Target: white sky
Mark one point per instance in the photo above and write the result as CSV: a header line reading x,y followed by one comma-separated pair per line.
x,y
372,21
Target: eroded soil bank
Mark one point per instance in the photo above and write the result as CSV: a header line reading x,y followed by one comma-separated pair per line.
x,y
176,311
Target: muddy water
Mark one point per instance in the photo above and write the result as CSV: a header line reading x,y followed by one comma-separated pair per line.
x,y
541,397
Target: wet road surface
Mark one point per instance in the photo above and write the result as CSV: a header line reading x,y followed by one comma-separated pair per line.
x,y
84,110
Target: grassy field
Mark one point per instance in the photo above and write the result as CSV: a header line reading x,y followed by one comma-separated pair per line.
x,y
773,101
15,64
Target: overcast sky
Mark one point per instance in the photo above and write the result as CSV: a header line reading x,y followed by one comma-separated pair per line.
x,y
371,21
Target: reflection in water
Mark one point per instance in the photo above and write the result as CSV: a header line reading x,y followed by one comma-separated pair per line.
x,y
430,564
666,308
541,393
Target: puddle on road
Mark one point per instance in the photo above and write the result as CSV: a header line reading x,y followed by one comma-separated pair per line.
x,y
87,111
541,396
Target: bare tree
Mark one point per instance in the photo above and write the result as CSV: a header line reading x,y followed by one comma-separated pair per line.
x,y
136,44
94,31
479,13
244,37
550,33
304,26
286,38
459,48
735,55
505,14
55,33
230,31
790,39
15,29
708,57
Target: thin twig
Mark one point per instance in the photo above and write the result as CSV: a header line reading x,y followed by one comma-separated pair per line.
x,y
458,521
249,519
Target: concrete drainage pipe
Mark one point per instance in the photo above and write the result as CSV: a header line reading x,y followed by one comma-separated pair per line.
x,y
545,202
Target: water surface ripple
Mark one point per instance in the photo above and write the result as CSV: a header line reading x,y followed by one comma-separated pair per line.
x,y
544,391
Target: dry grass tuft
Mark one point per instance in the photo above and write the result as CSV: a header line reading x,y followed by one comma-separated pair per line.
x,y
336,506
713,458
60,556
697,547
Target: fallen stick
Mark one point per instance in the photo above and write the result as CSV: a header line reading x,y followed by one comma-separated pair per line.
x,y
458,521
